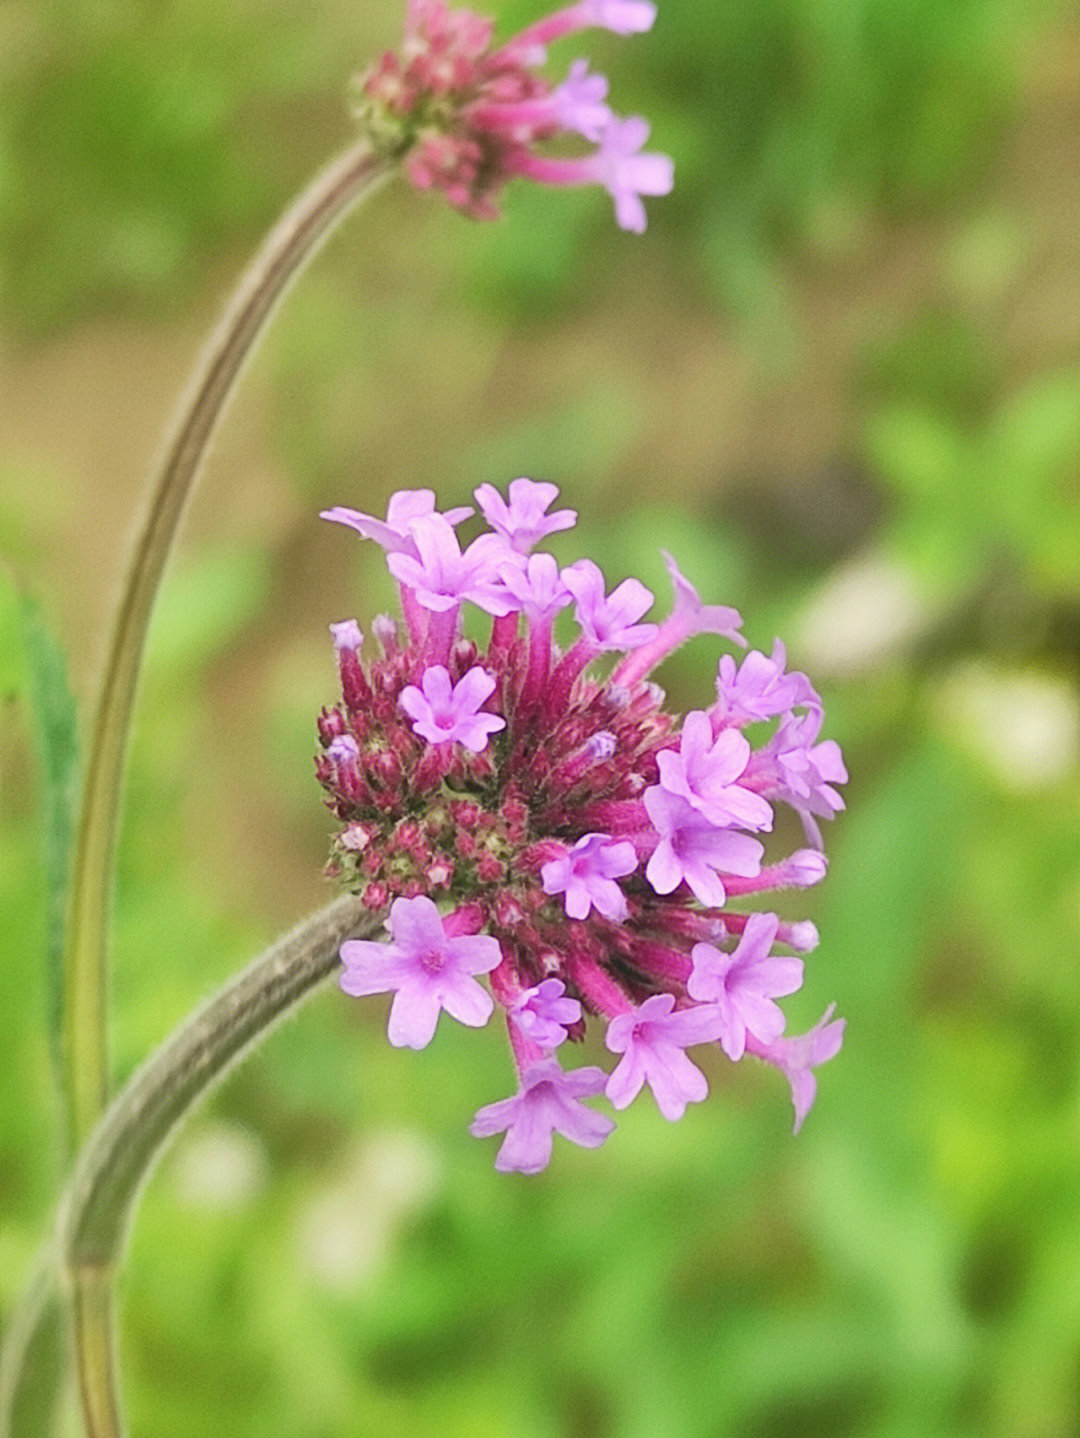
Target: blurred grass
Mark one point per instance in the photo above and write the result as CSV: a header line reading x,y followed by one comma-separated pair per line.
x,y
838,380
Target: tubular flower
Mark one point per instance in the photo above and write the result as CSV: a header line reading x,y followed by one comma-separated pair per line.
x,y
466,115
559,833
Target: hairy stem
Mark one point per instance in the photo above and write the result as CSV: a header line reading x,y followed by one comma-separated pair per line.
x,y
289,245
122,1149
97,1207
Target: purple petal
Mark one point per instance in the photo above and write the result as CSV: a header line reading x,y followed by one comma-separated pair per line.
x,y
467,1002
413,1017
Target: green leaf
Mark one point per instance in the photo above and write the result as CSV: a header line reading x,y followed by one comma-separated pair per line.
x,y
53,726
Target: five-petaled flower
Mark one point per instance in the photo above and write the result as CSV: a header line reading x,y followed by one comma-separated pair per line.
x,y
429,964
530,820
443,713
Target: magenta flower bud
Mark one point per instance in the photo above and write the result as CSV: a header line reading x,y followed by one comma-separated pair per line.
x,y
801,936
805,868
331,723
385,631
343,750
347,635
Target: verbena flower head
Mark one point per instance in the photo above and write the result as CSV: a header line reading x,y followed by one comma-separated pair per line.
x,y
467,115
532,815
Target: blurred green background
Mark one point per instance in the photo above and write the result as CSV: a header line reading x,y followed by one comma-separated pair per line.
x,y
840,379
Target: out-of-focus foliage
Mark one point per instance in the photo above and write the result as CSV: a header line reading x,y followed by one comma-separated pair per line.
x,y
838,379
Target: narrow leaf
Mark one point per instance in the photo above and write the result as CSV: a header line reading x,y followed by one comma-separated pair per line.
x,y
52,722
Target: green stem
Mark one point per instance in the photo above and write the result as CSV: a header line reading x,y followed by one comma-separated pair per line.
x,y
90,1304
100,1199
289,245
122,1148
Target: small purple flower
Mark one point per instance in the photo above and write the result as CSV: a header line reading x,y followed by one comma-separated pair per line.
x,y
689,617
627,174
579,102
441,576
695,617
428,970
548,1102
805,772
542,1013
759,688
617,164
536,586
809,770
651,1040
608,622
797,1057
444,714
576,106
695,852
705,772
587,874
744,984
524,521
394,533
621,17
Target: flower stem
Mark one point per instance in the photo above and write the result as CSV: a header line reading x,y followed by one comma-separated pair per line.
x,y
117,1158
90,1301
289,245
127,1138
121,1150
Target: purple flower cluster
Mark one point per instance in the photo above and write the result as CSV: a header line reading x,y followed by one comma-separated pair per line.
x,y
532,813
466,116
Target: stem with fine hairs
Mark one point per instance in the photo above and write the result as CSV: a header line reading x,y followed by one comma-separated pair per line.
x,y
118,1156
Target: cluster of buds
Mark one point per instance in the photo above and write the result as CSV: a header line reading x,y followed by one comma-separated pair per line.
x,y
528,818
466,116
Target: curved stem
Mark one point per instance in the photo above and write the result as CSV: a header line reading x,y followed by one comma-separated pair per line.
x,y
289,245
121,1151
127,1139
